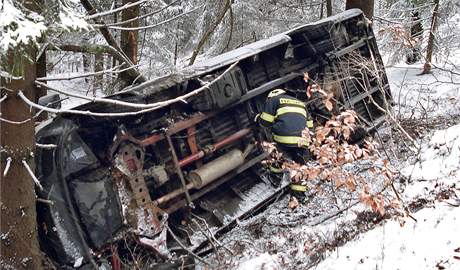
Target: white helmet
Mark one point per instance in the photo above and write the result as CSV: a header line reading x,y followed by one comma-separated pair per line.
x,y
276,92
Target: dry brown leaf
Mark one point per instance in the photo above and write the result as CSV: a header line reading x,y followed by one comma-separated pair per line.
x,y
293,203
328,104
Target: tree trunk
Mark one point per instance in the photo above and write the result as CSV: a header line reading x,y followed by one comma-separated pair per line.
x,y
367,6
98,66
128,41
328,8
430,47
18,223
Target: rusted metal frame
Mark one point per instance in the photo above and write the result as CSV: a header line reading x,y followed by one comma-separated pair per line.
x,y
218,182
191,141
178,169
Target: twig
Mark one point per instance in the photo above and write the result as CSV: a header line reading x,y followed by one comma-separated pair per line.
x,y
209,239
7,166
185,248
45,201
32,174
211,234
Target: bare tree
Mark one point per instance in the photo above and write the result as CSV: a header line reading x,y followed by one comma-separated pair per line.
x,y
329,8
430,47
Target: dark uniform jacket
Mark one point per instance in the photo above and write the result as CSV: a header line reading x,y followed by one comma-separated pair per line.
x,y
287,116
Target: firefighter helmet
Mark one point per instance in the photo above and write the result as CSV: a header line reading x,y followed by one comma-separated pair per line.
x,y
276,92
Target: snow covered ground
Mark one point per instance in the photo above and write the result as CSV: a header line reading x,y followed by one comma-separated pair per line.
x,y
281,238
431,242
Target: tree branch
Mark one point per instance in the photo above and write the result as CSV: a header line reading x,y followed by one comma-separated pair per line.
x,y
105,13
112,70
145,27
139,17
151,107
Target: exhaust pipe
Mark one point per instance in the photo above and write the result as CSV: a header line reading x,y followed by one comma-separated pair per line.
x,y
216,168
210,172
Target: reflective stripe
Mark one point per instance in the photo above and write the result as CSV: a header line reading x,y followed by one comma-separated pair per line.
x,y
267,117
276,170
310,124
289,139
291,101
296,187
284,110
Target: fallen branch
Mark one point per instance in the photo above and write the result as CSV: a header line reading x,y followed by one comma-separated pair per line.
x,y
185,248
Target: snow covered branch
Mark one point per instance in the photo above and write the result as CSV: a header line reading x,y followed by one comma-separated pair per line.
x,y
113,70
105,13
139,17
153,25
3,98
149,107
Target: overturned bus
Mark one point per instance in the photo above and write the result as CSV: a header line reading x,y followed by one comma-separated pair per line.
x,y
135,175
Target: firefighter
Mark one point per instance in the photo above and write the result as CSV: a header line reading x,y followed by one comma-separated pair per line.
x,y
287,117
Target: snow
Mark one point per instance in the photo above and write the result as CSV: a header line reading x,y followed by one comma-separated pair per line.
x,y
424,244
264,261
17,27
439,158
433,241
21,26
78,262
